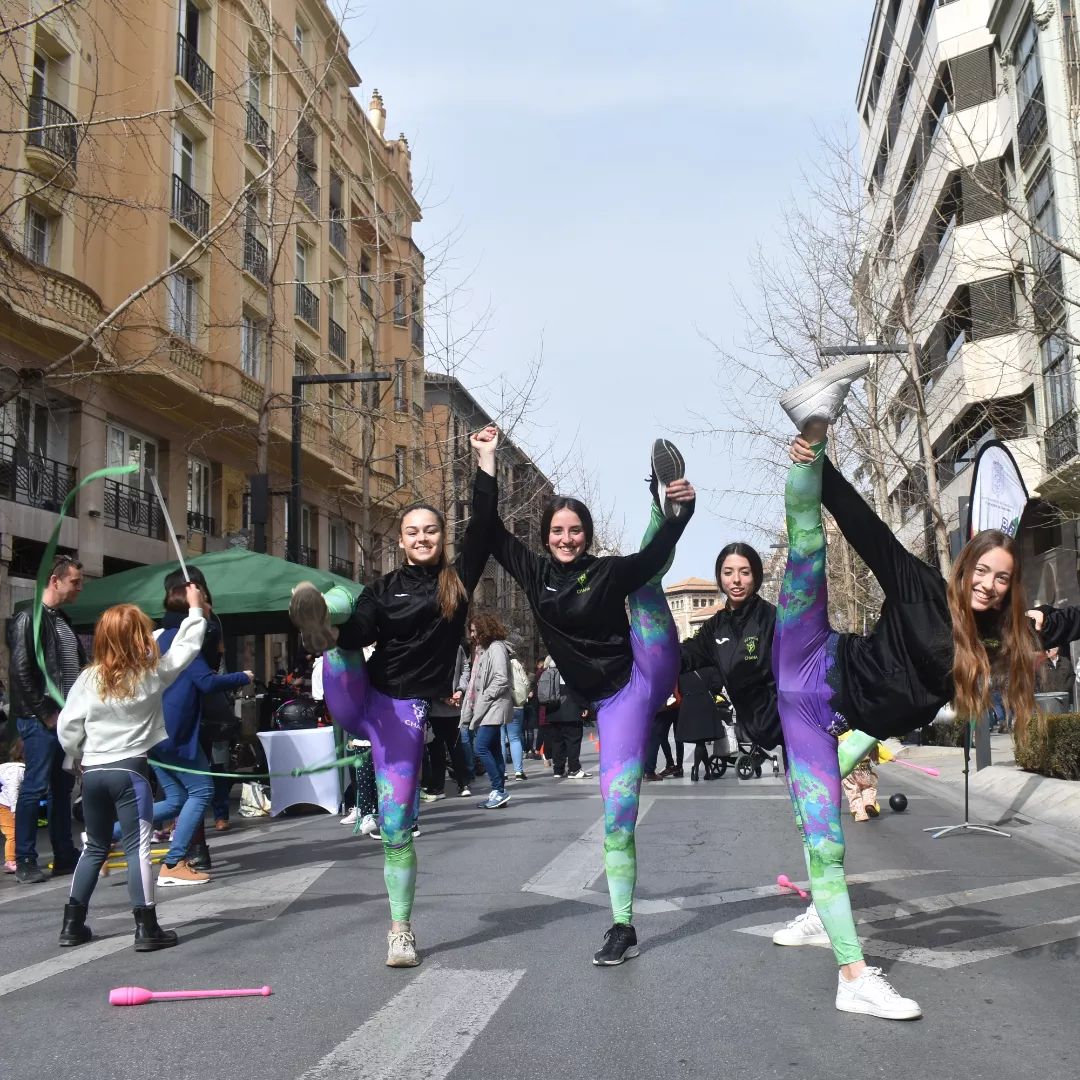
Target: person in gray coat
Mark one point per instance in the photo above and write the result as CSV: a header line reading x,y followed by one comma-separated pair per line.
x,y
487,704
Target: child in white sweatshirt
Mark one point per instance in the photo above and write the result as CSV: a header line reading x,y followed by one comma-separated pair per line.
x,y
111,720
11,778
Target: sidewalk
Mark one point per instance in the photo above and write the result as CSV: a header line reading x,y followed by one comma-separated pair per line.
x,y
1044,810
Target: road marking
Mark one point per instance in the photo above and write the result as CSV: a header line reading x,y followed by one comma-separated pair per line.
x,y
958,953
260,899
423,1031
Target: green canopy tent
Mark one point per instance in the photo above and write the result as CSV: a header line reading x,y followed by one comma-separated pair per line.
x,y
251,591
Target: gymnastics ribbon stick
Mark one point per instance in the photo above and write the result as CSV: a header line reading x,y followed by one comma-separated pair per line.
x,y
168,522
45,570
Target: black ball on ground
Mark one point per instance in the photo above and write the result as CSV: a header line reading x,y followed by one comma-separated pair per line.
x,y
898,802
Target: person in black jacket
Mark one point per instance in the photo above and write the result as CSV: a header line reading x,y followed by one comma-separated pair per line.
x,y
737,641
933,643
415,617
34,710
623,668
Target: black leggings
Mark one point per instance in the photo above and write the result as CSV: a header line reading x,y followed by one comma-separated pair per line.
x,y
119,791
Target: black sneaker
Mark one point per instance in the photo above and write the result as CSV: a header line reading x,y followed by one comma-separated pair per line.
x,y
65,866
668,465
198,857
620,943
28,873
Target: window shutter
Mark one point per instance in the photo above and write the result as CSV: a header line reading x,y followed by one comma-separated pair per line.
x,y
982,188
973,78
993,307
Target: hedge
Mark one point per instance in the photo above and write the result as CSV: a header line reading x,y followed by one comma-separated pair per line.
x,y
1051,746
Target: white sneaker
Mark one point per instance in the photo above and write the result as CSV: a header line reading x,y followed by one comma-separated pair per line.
x,y
581,774
822,396
464,793
873,995
804,929
351,817
369,825
401,949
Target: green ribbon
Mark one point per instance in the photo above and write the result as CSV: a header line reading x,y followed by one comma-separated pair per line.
x,y
352,759
45,571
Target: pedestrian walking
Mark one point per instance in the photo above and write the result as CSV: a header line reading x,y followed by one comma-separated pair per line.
x,y
488,705
112,718
444,718
933,642
35,714
624,668
415,617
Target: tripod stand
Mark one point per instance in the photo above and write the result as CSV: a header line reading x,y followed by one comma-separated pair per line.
x,y
943,830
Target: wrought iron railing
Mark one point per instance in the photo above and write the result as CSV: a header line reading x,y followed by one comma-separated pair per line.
x,y
309,556
337,340
307,190
203,523
132,510
258,130
307,305
344,567
255,258
365,293
52,128
189,208
1061,441
194,70
337,231
1031,128
32,479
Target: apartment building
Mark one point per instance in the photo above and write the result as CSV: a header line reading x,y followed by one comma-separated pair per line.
x,y
198,208
961,104
688,599
524,491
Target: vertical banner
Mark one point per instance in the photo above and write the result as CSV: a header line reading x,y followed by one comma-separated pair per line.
x,y
998,492
998,499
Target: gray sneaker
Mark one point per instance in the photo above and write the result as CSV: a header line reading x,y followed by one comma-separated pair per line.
x,y
401,949
309,614
821,397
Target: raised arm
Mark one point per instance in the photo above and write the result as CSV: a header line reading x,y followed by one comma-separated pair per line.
x,y
1060,626
697,652
184,648
635,570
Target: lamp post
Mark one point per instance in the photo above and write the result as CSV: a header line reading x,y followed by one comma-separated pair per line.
x,y
295,504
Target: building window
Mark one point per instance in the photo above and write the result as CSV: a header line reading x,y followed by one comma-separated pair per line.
x,y
198,495
400,465
399,300
300,40
401,404
1028,69
183,294
302,254
1044,219
36,236
1057,379
126,447
338,411
252,343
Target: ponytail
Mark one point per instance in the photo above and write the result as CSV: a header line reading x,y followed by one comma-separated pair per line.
x,y
451,589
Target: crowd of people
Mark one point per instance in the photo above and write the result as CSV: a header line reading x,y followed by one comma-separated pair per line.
x,y
430,685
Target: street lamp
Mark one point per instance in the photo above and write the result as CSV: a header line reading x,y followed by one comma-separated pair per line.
x,y
295,505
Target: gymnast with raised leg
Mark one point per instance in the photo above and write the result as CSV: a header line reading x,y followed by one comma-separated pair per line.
x,y
933,643
623,668
415,618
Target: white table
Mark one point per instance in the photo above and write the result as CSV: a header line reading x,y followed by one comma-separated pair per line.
x,y
288,750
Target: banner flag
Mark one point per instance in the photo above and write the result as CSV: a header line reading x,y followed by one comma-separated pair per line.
x,y
998,492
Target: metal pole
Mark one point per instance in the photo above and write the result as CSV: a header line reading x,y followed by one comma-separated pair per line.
x,y
293,549
861,350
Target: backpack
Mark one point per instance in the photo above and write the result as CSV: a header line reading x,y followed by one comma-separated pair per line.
x,y
548,689
519,682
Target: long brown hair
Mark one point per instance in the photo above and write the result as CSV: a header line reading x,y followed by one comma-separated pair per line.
x,y
451,587
1015,662
489,628
124,651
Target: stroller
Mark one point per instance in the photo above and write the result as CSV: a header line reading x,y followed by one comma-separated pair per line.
x,y
741,753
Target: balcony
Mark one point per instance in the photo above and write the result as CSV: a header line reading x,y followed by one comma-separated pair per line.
x,y
337,231
257,131
416,334
52,129
1031,129
307,305
417,410
189,208
255,259
132,510
345,567
309,556
194,70
307,191
1061,441
202,523
337,340
31,479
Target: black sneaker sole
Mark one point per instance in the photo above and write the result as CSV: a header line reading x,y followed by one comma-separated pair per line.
x,y
628,955
668,464
308,613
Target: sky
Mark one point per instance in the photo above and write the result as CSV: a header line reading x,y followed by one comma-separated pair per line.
x,y
606,169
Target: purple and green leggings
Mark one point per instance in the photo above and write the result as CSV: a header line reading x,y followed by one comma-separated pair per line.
x,y
804,653
623,722
395,730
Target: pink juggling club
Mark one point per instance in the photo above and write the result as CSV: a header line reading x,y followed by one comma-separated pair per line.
x,y
136,995
912,765
786,883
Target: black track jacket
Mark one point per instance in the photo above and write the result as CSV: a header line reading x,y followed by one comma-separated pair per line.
x,y
415,647
738,643
581,607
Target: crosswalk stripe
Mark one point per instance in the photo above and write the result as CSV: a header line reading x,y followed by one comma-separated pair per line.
x,y
423,1031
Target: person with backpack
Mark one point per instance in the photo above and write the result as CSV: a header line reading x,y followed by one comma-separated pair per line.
x,y
622,667
514,731
488,703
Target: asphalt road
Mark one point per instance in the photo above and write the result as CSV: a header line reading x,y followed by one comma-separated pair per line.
x,y
511,904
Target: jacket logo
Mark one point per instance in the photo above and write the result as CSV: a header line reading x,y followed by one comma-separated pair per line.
x,y
583,583
401,595
750,644
722,640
